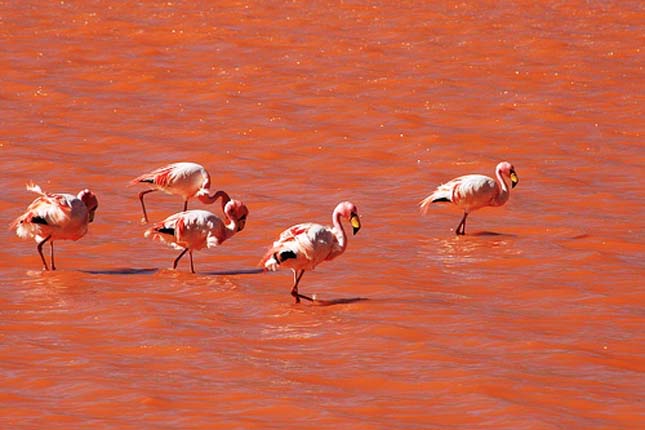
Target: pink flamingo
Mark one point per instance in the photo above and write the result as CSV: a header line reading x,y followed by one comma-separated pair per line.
x,y
472,192
54,216
304,246
198,229
185,179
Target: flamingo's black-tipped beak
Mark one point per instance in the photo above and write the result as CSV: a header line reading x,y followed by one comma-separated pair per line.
x,y
514,179
91,215
355,222
241,223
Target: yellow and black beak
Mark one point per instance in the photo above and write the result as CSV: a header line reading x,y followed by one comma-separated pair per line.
x,y
355,222
514,179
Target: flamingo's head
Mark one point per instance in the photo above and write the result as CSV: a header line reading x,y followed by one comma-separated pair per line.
x,y
90,200
349,211
238,212
507,170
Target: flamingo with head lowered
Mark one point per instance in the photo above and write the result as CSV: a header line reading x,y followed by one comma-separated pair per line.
x,y
303,246
55,216
472,192
188,180
197,229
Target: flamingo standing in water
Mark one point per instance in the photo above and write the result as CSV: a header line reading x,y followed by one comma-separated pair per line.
x,y
55,216
304,246
472,192
185,179
197,229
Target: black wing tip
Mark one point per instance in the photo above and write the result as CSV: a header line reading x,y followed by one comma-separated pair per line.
x,y
166,230
441,199
39,220
285,255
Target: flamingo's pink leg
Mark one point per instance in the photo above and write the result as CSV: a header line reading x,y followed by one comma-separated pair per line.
x,y
174,264
294,289
461,228
51,245
40,251
143,206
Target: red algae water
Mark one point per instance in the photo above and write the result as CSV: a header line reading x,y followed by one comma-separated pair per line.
x,y
533,320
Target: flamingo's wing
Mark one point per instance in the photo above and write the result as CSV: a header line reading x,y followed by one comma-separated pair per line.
x,y
474,191
468,192
164,231
194,229
443,193
293,232
52,210
307,244
160,177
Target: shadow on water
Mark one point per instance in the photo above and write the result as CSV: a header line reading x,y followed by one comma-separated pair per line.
x,y
492,233
122,271
448,300
148,271
581,236
339,301
253,271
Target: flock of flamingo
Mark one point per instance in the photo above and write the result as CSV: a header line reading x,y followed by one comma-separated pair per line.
x,y
61,216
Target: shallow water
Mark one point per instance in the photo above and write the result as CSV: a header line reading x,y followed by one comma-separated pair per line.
x,y
534,320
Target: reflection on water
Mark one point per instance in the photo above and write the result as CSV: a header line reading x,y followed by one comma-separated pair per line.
x,y
52,283
459,252
42,292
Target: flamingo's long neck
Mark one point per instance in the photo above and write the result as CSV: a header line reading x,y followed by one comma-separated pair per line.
x,y
505,191
212,198
340,231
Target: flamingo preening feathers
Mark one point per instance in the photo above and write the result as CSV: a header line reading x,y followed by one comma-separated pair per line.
x,y
304,246
56,216
184,179
197,229
472,192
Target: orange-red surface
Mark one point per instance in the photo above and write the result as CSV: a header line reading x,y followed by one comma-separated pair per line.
x,y
533,320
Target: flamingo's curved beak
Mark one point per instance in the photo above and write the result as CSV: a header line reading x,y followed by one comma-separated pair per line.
x,y
355,222
241,223
514,179
91,215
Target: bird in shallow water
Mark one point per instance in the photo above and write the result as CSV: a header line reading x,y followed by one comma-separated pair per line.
x,y
185,179
472,192
56,216
197,229
303,246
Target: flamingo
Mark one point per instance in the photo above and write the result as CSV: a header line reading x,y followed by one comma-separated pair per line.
x,y
304,246
197,229
472,192
185,179
54,216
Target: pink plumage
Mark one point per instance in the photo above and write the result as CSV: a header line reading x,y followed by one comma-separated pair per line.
x,y
55,216
185,179
472,192
197,229
304,246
